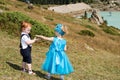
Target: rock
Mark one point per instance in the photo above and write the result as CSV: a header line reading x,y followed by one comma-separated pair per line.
x,y
96,18
88,47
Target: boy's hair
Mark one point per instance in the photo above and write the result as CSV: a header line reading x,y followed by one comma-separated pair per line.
x,y
25,25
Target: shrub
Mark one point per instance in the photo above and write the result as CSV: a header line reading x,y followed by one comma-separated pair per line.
x,y
4,8
86,33
111,31
102,26
11,21
2,2
90,27
49,18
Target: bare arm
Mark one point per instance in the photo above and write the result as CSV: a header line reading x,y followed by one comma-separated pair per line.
x,y
31,41
65,48
45,38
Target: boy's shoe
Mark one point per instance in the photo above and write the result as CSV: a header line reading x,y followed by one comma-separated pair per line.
x,y
31,73
24,70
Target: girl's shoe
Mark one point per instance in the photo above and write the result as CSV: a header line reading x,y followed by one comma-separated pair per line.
x,y
47,77
61,77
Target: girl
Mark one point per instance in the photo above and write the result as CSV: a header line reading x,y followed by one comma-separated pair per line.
x,y
56,61
25,47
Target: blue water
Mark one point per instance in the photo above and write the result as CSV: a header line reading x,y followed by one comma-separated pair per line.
x,y
112,18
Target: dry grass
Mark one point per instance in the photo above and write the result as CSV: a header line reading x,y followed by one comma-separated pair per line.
x,y
88,65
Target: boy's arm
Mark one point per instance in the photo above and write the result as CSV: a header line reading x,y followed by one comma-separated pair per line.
x,y
31,41
28,41
45,38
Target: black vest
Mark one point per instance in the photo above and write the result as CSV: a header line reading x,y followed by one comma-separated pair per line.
x,y
21,38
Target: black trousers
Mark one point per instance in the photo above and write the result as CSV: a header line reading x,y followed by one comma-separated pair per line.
x,y
26,54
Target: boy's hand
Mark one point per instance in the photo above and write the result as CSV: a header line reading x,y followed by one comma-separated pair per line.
x,y
36,39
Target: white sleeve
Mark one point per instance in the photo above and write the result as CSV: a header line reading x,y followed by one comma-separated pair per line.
x,y
25,38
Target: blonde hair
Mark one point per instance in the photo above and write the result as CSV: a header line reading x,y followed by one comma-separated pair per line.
x,y
65,29
25,25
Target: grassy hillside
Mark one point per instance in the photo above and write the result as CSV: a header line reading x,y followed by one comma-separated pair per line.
x,y
93,58
92,65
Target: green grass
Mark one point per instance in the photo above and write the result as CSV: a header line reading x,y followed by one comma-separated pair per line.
x,y
90,27
10,22
96,65
110,30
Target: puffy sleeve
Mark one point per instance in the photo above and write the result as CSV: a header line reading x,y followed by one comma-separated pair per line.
x,y
25,38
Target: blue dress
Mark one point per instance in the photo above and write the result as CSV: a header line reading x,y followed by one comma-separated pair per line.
x,y
56,61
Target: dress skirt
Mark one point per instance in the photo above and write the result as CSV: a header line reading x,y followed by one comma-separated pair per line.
x,y
57,62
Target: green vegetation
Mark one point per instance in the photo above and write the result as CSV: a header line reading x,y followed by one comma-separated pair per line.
x,y
49,18
4,8
3,5
2,2
110,30
90,27
11,21
86,33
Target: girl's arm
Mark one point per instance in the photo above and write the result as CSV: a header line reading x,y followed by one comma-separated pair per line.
x,y
65,48
45,38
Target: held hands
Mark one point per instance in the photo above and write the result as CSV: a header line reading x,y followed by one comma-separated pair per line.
x,y
44,37
35,39
38,36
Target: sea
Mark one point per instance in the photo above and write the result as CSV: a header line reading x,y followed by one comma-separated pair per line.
x,y
112,18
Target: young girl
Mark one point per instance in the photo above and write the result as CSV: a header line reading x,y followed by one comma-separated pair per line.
x,y
25,47
56,61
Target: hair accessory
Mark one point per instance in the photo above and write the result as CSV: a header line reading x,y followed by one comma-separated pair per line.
x,y
58,29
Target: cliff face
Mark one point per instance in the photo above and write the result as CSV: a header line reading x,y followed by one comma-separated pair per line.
x,y
96,18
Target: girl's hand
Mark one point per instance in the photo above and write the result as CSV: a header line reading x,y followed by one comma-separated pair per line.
x,y
38,36
44,37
